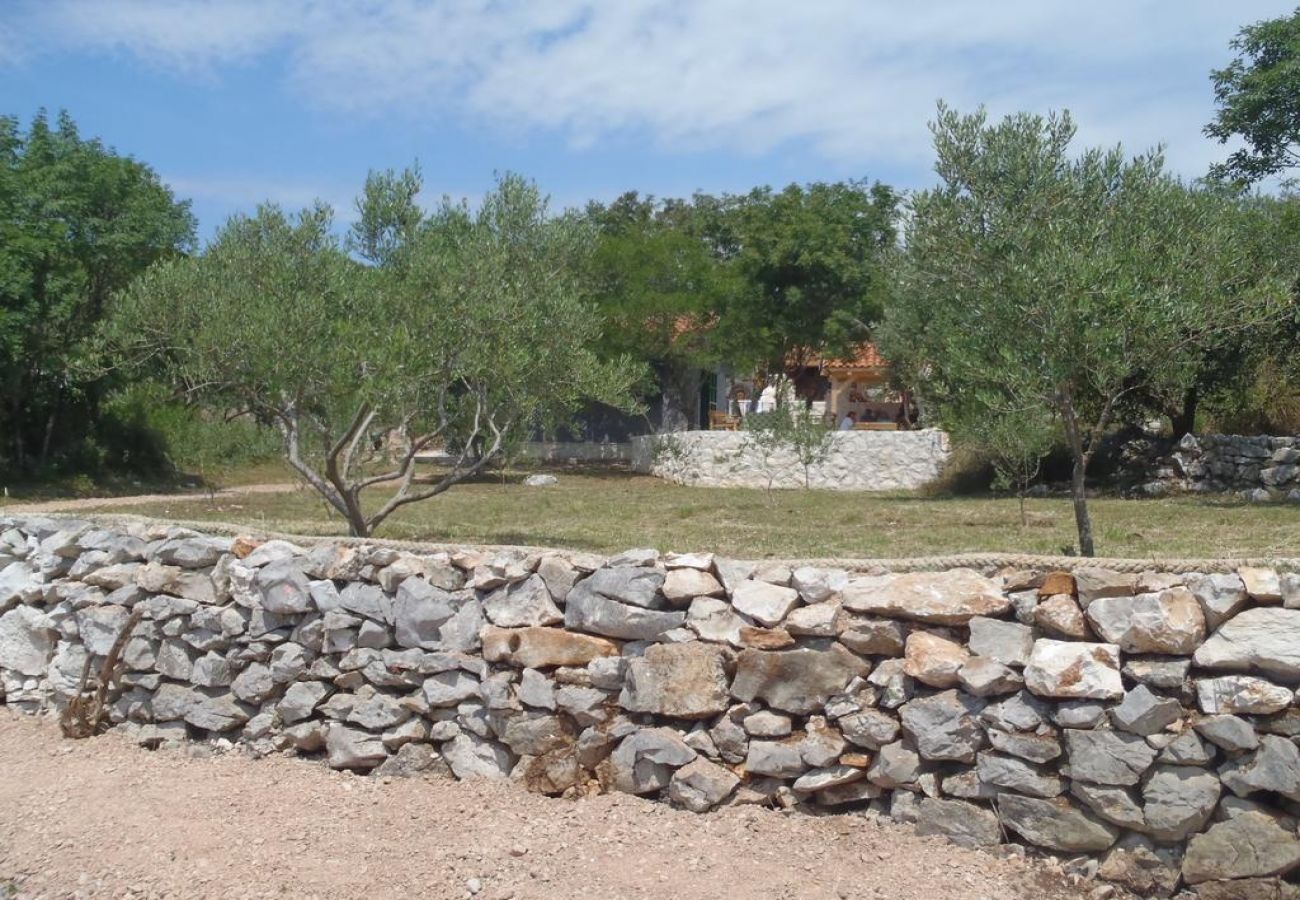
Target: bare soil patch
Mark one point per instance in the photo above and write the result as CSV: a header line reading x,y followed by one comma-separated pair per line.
x,y
102,818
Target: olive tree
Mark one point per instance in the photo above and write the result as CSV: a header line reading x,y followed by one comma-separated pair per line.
x,y
1038,279
462,330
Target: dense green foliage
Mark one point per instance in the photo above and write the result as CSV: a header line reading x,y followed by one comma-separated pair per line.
x,y
77,223
1258,99
1036,280
465,331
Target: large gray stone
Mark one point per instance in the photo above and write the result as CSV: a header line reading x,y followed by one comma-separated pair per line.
x,y
714,620
896,765
471,756
683,681
27,640
366,600
776,759
1274,766
1009,773
1107,757
1010,643
352,748
870,728
588,611
951,597
869,636
1232,694
962,823
1168,622
765,603
1055,824
796,681
644,762
1116,805
944,726
1228,732
1023,712
1246,846
283,588
684,584
301,700
99,626
1177,801
526,602
1037,748
1074,669
1220,596
1261,639
701,785
1143,712
419,611
632,585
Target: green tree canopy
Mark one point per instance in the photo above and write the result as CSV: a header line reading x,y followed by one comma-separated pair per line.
x,y
1258,99
77,223
472,328
1035,279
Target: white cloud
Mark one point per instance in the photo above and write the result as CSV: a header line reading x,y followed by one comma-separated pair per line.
x,y
853,79
243,194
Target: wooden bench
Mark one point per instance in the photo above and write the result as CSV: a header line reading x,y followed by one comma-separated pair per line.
x,y
720,421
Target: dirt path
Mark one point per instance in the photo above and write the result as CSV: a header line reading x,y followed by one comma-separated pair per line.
x,y
101,818
74,504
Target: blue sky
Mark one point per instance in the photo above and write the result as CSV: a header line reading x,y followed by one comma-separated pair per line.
x,y
237,101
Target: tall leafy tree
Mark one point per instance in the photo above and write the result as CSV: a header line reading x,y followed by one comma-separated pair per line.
x,y
1036,279
1258,99
813,261
467,329
77,223
658,287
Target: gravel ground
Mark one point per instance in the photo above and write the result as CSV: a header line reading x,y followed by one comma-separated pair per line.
x,y
102,818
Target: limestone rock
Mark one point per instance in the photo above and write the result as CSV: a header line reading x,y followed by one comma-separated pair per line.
x,y
633,585
817,585
1261,639
1220,596
870,728
523,603
586,610
1229,732
1169,622
366,600
1116,805
1261,584
1073,669
1137,865
352,748
1010,643
1162,673
1187,749
714,620
1094,584
27,641
1009,773
765,603
1231,694
471,756
984,677
962,823
1274,766
756,638
817,620
870,637
99,626
541,648
1178,800
701,785
795,681
1061,616
896,766
767,724
934,660
1056,824
644,762
951,597
1246,846
559,575
1143,712
1107,757
1037,748
683,681
684,584
944,726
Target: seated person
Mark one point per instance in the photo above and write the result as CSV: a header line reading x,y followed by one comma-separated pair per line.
x,y
849,420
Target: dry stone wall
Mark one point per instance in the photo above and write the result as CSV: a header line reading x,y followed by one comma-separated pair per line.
x,y
1146,722
1258,467
857,461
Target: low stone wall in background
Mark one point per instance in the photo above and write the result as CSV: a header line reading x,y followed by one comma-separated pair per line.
x,y
1148,721
575,451
1258,467
858,460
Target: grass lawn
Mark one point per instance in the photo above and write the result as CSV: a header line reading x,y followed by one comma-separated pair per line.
x,y
609,510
